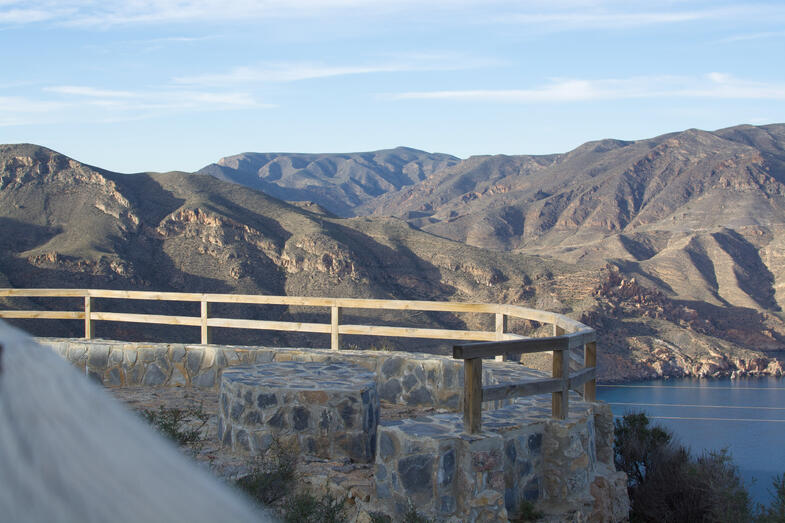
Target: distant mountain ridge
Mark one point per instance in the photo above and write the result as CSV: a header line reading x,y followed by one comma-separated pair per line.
x,y
696,214
666,299
605,187
337,182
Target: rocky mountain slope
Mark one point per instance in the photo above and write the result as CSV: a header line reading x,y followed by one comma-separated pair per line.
x,y
66,224
696,215
674,182
337,182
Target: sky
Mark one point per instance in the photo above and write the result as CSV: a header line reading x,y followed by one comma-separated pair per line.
x,y
147,85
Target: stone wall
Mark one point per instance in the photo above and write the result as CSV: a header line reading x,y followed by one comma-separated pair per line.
x,y
330,411
404,378
522,455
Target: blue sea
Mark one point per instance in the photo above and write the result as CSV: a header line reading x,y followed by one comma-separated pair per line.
x,y
746,416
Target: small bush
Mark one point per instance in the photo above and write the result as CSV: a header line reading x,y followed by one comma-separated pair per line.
x,y
379,517
774,513
666,483
526,513
183,426
306,508
412,516
272,475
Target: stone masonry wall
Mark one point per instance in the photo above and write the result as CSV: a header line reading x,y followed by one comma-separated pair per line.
x,y
522,455
329,411
404,378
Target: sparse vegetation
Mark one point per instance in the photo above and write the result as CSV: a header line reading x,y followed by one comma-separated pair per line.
x,y
304,507
273,475
183,426
412,516
379,517
666,483
273,482
526,513
775,512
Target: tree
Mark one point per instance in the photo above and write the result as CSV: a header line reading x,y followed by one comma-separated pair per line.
x,y
666,483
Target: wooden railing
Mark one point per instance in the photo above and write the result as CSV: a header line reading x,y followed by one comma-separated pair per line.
x,y
559,385
568,334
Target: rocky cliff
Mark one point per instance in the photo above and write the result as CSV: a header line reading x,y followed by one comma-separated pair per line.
x,y
66,224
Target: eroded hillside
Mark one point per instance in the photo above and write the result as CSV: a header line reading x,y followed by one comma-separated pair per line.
x,y
66,224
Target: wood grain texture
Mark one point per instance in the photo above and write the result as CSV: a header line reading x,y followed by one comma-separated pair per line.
x,y
43,315
161,319
292,326
561,370
335,325
472,396
525,346
89,326
206,334
516,390
581,377
590,361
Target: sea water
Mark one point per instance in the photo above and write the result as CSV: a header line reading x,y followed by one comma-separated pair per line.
x,y
746,416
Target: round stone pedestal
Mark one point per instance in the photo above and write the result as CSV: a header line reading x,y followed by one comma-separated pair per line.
x,y
331,410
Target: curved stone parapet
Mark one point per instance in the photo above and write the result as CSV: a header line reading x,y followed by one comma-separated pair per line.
x,y
522,455
404,378
330,411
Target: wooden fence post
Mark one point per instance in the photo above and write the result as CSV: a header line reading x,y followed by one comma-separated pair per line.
x,y
335,322
472,395
88,320
501,328
590,360
206,334
561,369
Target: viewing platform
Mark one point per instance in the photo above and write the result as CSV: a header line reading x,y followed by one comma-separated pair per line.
x,y
504,435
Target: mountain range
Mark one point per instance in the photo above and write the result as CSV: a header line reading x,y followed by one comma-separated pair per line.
x,y
672,247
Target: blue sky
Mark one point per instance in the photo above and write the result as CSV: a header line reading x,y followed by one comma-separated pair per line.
x,y
136,85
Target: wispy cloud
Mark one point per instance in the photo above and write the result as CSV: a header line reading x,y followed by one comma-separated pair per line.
x,y
24,16
80,90
535,13
295,71
73,103
712,85
619,17
124,12
20,104
753,36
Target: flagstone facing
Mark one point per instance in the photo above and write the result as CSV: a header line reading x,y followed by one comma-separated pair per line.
x,y
331,411
521,456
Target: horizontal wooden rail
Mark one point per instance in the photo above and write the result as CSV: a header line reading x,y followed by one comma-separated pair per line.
x,y
582,376
269,325
515,390
558,386
43,315
527,346
568,334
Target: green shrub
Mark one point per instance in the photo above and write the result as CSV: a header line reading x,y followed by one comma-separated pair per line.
x,y
527,512
775,512
183,426
306,508
666,483
272,475
412,516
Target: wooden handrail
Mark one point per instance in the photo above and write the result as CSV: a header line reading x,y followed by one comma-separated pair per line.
x,y
567,334
558,385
